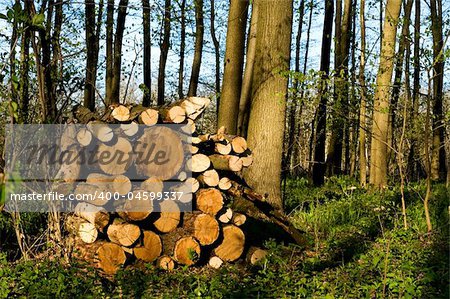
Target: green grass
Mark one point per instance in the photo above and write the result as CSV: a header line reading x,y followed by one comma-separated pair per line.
x,y
358,249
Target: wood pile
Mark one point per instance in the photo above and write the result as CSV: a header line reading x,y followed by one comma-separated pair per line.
x,y
225,209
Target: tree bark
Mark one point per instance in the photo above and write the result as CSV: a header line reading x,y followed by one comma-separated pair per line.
x,y
216,53
362,107
244,100
378,163
109,50
318,170
146,15
196,63
164,50
92,48
340,122
234,60
117,61
269,89
438,167
182,49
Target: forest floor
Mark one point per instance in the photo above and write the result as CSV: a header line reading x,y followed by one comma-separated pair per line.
x,y
359,248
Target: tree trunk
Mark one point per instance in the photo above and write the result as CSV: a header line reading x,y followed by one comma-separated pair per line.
x,y
216,52
117,61
92,48
362,107
318,170
234,60
24,101
438,167
109,50
269,89
296,98
339,122
164,50
182,48
378,163
146,15
413,159
244,100
196,63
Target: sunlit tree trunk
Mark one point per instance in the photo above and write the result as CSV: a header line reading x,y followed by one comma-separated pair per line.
x,y
182,48
362,108
216,52
269,89
234,61
109,50
378,163
198,48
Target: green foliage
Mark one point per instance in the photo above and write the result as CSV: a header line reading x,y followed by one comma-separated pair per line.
x,y
361,251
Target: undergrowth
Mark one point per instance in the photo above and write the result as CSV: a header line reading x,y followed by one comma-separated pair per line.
x,y
359,248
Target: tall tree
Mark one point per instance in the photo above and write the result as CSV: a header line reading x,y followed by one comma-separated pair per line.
x,y
343,27
182,48
109,50
117,55
378,163
92,28
244,99
269,90
234,61
146,12
296,93
318,169
398,72
198,48
413,159
362,105
164,50
438,167
24,101
216,51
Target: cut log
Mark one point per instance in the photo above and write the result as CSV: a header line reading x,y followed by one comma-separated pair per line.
x,y
199,163
110,257
209,201
161,153
84,137
101,131
136,207
193,184
215,262
120,184
115,159
123,233
226,162
224,183
239,219
130,129
226,216
121,113
209,178
79,227
200,138
186,251
151,247
95,215
255,255
232,244
165,262
173,114
152,185
206,229
169,217
246,161
223,148
149,117
70,172
239,144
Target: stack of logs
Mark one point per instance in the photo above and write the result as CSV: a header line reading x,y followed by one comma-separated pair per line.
x,y
213,233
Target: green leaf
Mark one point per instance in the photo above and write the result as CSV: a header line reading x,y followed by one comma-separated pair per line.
x,y
14,105
3,16
38,20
